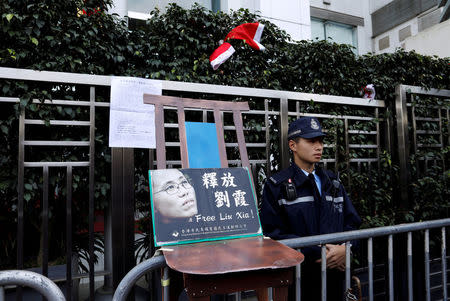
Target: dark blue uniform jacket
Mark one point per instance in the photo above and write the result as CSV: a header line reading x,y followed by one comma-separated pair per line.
x,y
306,215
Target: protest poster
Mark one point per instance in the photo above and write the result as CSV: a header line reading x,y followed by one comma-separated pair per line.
x,y
202,204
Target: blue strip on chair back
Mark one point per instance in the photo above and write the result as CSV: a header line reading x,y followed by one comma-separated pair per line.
x,y
202,145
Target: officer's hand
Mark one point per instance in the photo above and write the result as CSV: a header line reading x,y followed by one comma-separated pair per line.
x,y
335,257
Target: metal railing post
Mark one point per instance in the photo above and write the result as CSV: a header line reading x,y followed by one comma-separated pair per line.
x,y
427,265
91,190
370,263
347,265
20,198
391,267
284,123
45,217
323,265
401,114
410,268
444,264
122,207
267,135
298,279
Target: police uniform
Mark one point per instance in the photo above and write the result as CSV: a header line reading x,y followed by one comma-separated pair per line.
x,y
292,207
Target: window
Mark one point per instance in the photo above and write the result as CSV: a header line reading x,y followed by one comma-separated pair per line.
x,y
139,10
215,5
145,6
338,32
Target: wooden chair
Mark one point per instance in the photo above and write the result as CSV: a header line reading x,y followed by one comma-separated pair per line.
x,y
226,266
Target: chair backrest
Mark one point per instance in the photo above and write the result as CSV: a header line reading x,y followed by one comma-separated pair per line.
x,y
217,107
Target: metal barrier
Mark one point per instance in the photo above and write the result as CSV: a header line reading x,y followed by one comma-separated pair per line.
x,y
31,279
130,279
137,272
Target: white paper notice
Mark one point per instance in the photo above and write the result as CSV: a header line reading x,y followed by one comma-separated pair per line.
x,y
131,122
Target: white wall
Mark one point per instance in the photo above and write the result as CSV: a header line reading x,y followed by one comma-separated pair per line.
x,y
365,32
292,16
432,41
394,41
119,7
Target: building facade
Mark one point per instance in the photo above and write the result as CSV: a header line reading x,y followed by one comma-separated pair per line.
x,y
409,24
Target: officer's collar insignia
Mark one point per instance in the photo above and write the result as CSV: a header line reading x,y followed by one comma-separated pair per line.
x,y
314,125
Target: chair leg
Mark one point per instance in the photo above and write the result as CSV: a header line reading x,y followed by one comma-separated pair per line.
x,y
280,293
175,283
262,294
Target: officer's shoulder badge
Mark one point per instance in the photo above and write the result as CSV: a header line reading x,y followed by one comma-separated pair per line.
x,y
280,177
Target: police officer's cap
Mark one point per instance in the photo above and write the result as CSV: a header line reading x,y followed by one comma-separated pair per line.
x,y
305,127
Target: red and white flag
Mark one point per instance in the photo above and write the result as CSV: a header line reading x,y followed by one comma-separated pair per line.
x,y
249,32
221,54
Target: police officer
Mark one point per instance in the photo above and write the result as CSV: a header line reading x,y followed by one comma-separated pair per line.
x,y
305,200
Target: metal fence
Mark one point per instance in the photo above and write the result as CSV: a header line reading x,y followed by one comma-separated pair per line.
x,y
361,134
423,127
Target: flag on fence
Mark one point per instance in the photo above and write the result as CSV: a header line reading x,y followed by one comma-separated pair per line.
x,y
249,32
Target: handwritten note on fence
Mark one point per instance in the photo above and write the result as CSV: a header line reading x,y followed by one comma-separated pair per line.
x,y
131,122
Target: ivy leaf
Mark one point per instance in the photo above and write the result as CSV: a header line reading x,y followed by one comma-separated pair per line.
x,y
5,129
68,111
40,23
9,17
4,185
34,41
23,102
